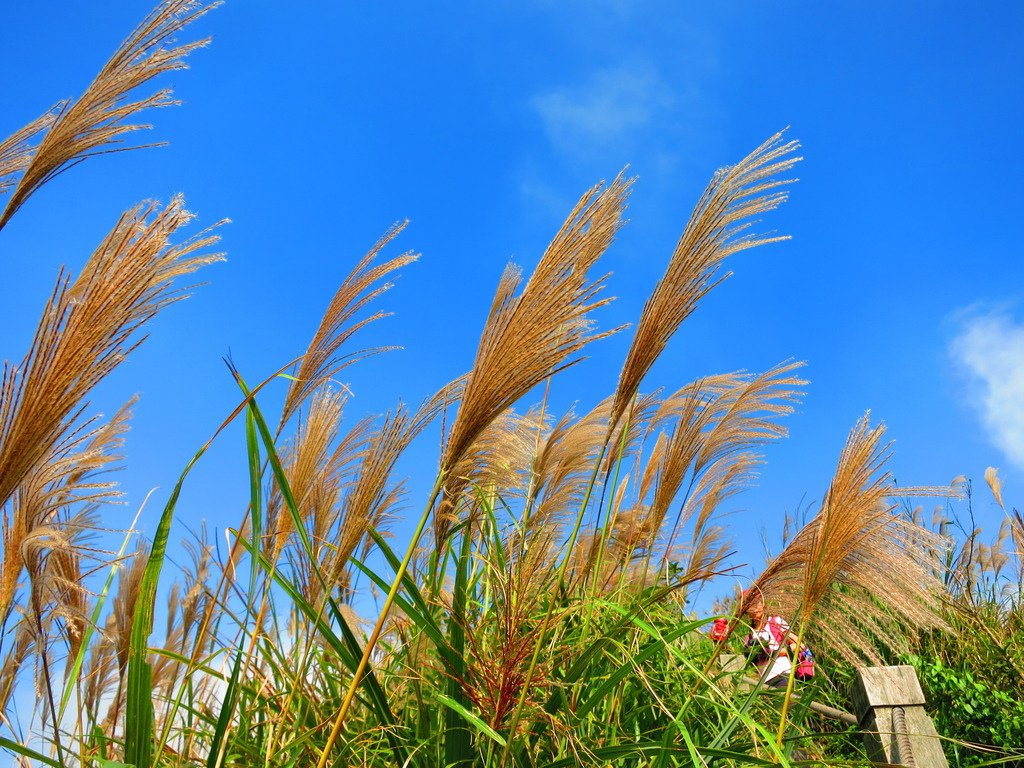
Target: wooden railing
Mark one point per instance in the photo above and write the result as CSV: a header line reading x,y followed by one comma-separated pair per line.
x,y
897,729
890,715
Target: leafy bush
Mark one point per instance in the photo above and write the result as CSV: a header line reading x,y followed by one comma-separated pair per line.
x,y
968,710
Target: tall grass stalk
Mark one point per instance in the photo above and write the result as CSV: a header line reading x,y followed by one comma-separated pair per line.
x,y
379,626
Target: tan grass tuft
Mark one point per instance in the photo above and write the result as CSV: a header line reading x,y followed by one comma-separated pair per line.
x,y
88,328
24,643
99,120
995,484
564,463
709,453
17,150
128,584
69,476
858,570
322,360
374,497
491,470
370,502
718,228
928,491
311,472
530,336
625,438
1017,532
185,605
112,653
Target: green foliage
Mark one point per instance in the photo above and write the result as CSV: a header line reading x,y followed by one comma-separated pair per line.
x,y
973,674
968,710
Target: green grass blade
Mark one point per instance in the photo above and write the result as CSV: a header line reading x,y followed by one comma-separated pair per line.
x,y
470,718
597,646
91,625
139,713
31,754
227,710
598,693
255,492
382,709
419,609
279,474
457,743
347,648
650,751
421,618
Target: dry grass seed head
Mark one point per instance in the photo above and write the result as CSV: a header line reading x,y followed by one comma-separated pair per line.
x,y
563,465
129,582
371,502
630,535
17,150
66,478
492,471
651,476
995,484
673,464
746,414
24,644
708,545
98,121
88,328
704,390
625,438
1017,532
322,360
886,565
308,470
714,434
185,605
70,598
530,336
56,607
716,230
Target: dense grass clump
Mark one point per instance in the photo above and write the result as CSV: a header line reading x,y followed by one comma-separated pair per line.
x,y
973,675
541,612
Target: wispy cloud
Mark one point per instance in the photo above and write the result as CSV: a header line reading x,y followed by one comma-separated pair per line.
x,y
613,105
990,346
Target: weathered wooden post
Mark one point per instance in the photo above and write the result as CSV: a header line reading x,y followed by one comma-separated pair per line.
x,y
897,730
732,663
731,667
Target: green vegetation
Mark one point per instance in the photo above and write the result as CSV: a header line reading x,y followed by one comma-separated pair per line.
x,y
540,614
973,675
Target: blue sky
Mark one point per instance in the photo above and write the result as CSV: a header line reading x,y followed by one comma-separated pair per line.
x,y
314,126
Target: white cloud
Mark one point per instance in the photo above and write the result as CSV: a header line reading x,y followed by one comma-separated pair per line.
x,y
615,104
991,348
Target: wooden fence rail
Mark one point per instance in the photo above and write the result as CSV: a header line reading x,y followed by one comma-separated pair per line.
x,y
890,714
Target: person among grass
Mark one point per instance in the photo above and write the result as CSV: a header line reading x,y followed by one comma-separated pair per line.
x,y
773,647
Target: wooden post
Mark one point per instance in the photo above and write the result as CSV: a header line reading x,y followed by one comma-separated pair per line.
x,y
731,666
877,693
732,663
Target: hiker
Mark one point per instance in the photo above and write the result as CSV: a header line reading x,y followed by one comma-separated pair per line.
x,y
771,645
774,646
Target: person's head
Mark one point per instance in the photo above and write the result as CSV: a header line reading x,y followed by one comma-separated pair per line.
x,y
753,605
